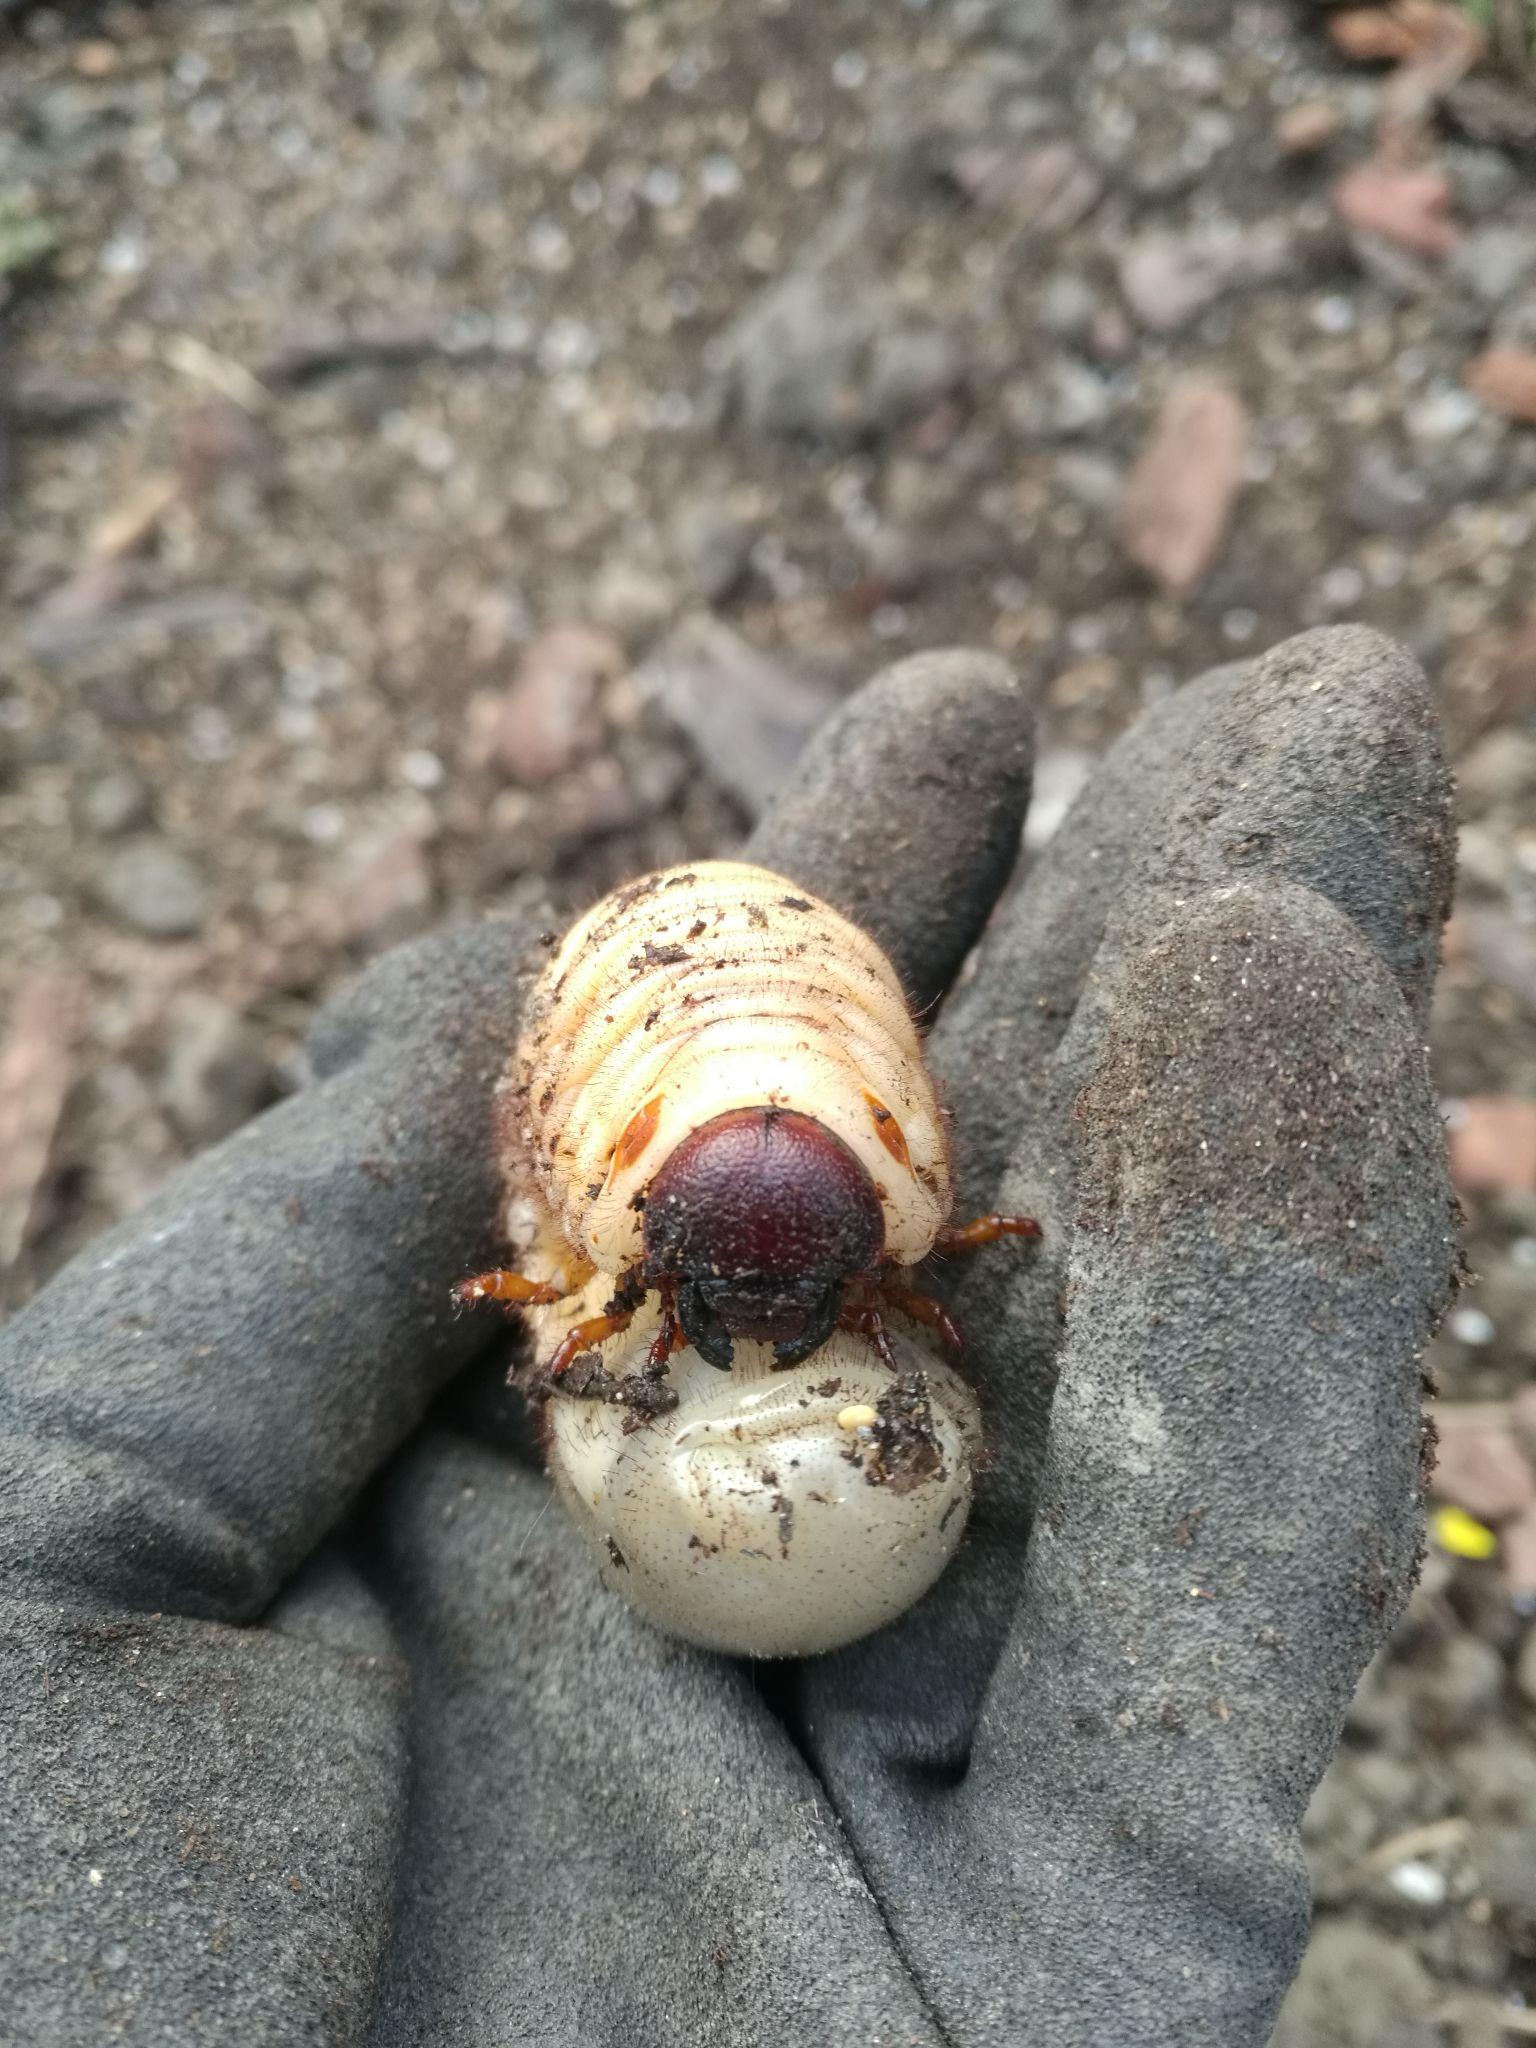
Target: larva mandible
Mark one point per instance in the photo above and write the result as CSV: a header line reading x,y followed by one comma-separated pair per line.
x,y
720,1098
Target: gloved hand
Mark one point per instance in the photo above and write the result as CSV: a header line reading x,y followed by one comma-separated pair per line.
x,y
313,1734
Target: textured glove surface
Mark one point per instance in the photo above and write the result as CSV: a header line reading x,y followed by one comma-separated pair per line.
x,y
432,1786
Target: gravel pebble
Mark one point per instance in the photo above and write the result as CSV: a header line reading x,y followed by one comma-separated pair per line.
x,y
152,886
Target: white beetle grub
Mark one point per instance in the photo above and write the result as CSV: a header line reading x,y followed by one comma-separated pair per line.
x,y
724,1154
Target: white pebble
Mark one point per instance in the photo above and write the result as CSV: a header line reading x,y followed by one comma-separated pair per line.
x,y
1418,1881
323,824
1334,314
1343,587
1472,1326
720,176
421,769
662,187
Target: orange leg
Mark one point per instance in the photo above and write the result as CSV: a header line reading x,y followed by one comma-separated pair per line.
x,y
513,1290
668,1337
968,1237
922,1308
869,1323
581,1336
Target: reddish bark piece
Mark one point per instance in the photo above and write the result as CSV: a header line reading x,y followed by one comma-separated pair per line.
x,y
1505,379
1178,501
1407,207
551,717
1493,1144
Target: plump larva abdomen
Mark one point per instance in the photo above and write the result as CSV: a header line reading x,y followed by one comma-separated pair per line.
x,y
768,1513
701,990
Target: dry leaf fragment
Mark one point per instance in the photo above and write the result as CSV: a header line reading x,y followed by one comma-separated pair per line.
x,y
1179,498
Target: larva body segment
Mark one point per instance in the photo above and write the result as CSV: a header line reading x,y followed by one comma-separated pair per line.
x,y
773,1513
702,990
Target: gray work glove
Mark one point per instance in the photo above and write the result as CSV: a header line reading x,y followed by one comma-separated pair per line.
x,y
315,1725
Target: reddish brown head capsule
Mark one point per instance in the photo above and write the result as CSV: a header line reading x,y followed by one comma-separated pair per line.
x,y
759,1219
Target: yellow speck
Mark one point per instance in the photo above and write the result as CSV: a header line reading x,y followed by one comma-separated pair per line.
x,y
93,1877
1462,1534
859,1416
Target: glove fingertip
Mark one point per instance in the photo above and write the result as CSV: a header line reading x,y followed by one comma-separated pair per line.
x,y
905,811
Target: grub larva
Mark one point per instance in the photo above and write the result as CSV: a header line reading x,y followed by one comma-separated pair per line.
x,y
720,1097
723,1150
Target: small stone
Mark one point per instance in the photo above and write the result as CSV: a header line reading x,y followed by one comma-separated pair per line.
x,y
1068,304
1307,128
1093,480
1483,1471
909,371
630,601
1444,414
551,717
1418,1882
152,886
1472,1326
1494,262
1500,769
115,801
1358,1989
381,888
827,351
217,1073
1483,180
1505,380
1492,1140
745,716
1506,1863
1407,207
1179,499
713,547
1047,187
1168,279
1062,401
1382,496
1458,1688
